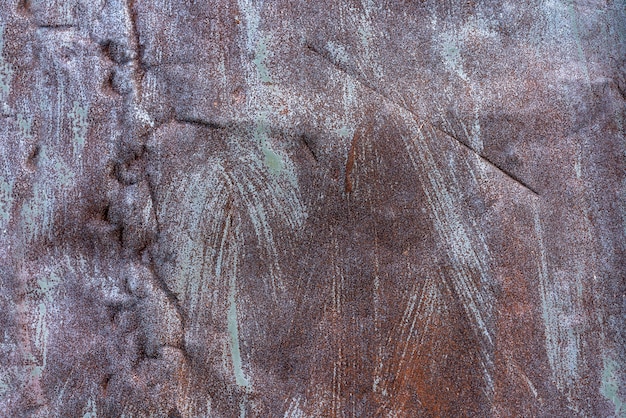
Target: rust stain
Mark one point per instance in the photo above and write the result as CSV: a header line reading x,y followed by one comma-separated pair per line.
x,y
352,158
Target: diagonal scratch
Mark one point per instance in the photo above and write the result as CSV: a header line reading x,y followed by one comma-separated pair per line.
x,y
326,57
488,161
306,141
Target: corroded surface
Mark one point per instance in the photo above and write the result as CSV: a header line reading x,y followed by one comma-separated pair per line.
x,y
312,208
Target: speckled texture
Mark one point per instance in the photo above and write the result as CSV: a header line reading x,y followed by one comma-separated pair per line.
x,y
312,208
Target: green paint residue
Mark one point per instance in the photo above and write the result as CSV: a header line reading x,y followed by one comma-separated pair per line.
x,y
577,38
6,199
34,211
47,285
37,212
78,116
260,55
36,372
271,159
233,331
62,173
344,132
451,54
610,386
6,70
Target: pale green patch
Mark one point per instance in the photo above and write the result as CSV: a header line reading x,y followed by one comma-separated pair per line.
x,y
47,285
37,212
250,13
78,116
271,159
63,174
344,132
610,386
6,70
242,408
451,54
260,55
233,326
6,199
36,372
33,214
579,43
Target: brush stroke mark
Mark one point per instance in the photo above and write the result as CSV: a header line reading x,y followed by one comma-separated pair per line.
x,y
469,259
344,69
469,276
233,323
558,306
406,339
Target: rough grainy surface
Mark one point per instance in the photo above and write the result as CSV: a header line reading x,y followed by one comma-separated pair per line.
x,y
312,208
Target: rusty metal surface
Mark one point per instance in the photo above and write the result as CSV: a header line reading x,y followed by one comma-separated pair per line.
x,y
312,208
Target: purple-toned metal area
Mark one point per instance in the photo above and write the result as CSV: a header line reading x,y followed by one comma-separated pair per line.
x,y
312,208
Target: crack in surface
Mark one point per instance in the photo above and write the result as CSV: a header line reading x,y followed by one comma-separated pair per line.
x,y
509,174
306,141
326,57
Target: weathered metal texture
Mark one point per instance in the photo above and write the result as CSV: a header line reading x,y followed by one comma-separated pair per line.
x,y
312,208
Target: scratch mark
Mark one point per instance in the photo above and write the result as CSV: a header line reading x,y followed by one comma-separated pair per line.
x,y
57,27
306,141
489,162
201,122
343,68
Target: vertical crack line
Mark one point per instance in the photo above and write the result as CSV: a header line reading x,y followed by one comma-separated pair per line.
x,y
342,68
